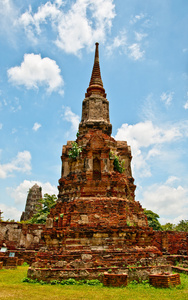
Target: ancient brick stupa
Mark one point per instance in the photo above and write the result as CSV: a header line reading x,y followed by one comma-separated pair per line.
x,y
96,223
32,202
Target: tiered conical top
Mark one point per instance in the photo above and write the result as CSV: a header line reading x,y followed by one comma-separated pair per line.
x,y
96,84
95,107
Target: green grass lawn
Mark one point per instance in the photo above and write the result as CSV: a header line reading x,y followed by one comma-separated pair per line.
x,y
12,287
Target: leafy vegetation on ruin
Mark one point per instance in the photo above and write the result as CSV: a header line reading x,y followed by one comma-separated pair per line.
x,y
12,287
75,151
118,165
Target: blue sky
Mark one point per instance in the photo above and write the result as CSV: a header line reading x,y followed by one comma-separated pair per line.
x,y
46,59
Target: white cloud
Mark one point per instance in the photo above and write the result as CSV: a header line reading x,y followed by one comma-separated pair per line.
x,y
86,22
146,140
135,52
8,13
168,200
36,71
167,98
10,212
15,105
186,103
120,41
1,126
137,18
71,117
19,194
139,36
21,163
36,126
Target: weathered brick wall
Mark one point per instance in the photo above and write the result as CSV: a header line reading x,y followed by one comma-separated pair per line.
x,y
17,235
174,242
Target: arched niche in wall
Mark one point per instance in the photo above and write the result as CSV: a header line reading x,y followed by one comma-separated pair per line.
x,y
96,169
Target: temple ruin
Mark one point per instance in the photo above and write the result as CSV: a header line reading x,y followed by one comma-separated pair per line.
x,y
32,202
96,225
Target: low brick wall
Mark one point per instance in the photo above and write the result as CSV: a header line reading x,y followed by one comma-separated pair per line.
x,y
59,273
173,242
180,270
9,262
18,235
164,280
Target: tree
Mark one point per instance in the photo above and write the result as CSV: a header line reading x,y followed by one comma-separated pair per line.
x,y
168,226
153,219
47,202
182,226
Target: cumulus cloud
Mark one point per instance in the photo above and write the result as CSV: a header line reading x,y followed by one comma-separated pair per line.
x,y
71,117
168,199
35,71
167,98
84,23
146,140
21,163
36,126
10,212
19,194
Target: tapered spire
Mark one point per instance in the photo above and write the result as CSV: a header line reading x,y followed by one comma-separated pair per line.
x,y
95,107
96,84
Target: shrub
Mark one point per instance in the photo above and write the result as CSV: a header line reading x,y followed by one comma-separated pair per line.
x,y
74,153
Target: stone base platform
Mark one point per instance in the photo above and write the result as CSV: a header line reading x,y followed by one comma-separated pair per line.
x,y
133,273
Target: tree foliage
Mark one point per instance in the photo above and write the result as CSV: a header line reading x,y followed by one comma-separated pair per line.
x,y
45,204
153,219
182,226
168,226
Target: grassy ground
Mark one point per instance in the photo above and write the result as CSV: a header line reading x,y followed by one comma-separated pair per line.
x,y
12,287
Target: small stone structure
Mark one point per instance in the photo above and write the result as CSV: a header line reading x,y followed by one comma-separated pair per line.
x,y
32,203
164,280
115,279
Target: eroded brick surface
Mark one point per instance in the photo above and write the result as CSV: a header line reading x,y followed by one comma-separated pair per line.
x,y
164,280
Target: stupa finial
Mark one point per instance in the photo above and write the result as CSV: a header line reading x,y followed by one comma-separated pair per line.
x,y
96,84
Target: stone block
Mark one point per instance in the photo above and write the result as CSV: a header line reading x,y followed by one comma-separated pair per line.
x,y
164,280
115,280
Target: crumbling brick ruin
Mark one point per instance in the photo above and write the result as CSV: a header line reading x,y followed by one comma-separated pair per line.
x,y
32,203
96,225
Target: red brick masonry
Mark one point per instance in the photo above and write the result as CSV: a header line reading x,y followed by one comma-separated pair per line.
x,y
164,280
115,279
